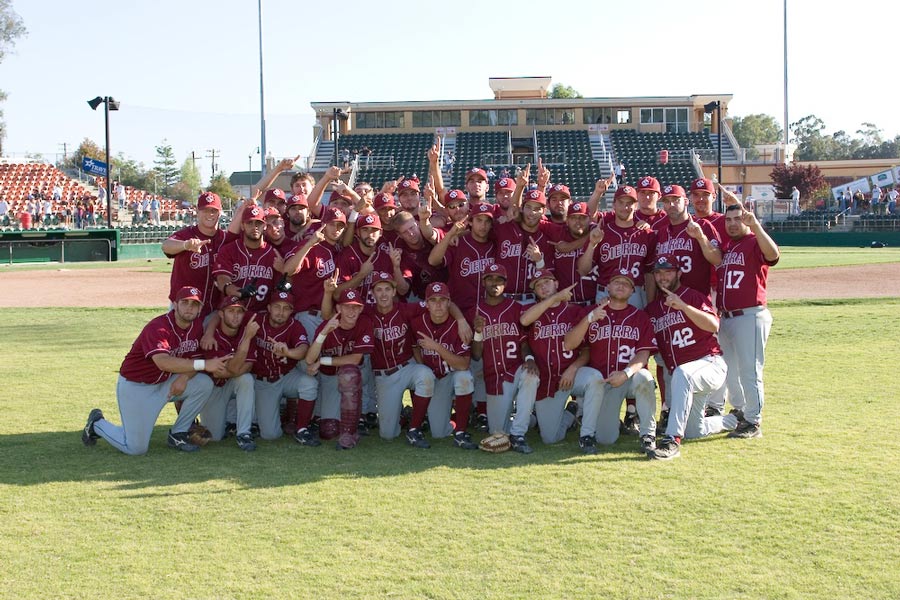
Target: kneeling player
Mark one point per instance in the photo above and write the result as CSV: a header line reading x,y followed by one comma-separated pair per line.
x,y
620,338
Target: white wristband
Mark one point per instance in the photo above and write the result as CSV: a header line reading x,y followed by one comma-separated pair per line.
x,y
353,216
320,339
529,357
628,372
478,337
590,317
325,360
199,364
540,264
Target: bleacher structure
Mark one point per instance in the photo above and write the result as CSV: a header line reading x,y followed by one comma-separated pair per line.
x,y
392,155
640,152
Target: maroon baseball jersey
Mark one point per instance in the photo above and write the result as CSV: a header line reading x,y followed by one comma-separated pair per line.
x,y
623,251
194,269
717,220
307,233
415,262
446,334
226,345
566,269
696,271
511,241
267,365
286,247
503,337
317,266
349,263
465,265
616,339
161,336
743,274
342,342
388,238
678,339
249,265
546,336
654,220
393,340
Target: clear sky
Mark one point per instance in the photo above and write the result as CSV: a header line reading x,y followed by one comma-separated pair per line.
x,y
188,71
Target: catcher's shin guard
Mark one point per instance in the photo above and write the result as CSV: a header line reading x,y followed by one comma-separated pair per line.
x,y
350,389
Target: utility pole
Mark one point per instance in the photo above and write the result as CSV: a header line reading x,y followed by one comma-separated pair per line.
x,y
212,154
65,151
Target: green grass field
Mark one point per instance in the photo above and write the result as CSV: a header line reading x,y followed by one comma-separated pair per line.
x,y
805,512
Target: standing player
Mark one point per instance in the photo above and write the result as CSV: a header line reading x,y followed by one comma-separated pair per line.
x,y
440,348
560,369
317,266
280,344
524,247
359,262
566,261
621,340
685,326
233,339
194,251
746,321
558,200
466,253
163,365
336,355
508,379
648,192
703,197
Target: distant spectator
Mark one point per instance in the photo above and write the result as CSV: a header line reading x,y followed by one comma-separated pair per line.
x,y
120,195
4,210
876,200
846,199
57,193
145,209
504,173
619,171
490,174
795,200
47,210
892,200
154,210
135,207
345,157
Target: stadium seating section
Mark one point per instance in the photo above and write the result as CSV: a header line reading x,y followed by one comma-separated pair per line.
x,y
640,153
408,151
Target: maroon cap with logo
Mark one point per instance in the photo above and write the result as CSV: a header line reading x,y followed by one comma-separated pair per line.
x,y
542,274
534,196
332,214
297,200
209,200
703,185
282,297
231,301
648,183
476,172
383,200
454,196
274,195
673,190
483,209
408,184
665,261
626,191
253,212
495,269
578,208
350,297
437,289
505,183
369,220
559,189
189,293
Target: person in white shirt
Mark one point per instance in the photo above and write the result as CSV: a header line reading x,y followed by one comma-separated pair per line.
x,y
795,200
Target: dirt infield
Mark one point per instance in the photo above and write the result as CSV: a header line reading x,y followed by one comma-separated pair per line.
x,y
143,288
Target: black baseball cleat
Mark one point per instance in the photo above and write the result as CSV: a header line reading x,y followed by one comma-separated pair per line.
x,y
180,441
254,430
648,444
463,439
587,444
481,422
746,430
662,423
230,430
667,450
712,411
371,420
630,425
362,427
89,437
518,444
416,439
737,413
245,442
572,407
305,437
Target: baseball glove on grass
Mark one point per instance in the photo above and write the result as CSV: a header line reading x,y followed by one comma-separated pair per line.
x,y
199,435
496,443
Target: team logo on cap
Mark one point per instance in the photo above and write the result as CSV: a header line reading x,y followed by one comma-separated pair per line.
x,y
436,287
700,184
576,207
255,212
366,339
282,295
351,295
454,195
493,268
645,182
668,189
534,194
474,170
484,208
368,219
194,291
405,184
557,187
503,182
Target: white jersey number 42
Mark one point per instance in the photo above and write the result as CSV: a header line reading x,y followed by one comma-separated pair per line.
x,y
683,337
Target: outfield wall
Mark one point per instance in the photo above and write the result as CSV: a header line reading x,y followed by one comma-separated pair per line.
x,y
848,239
132,251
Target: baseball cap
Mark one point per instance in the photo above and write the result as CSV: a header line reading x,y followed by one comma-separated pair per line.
x,y
648,183
542,274
383,200
382,277
454,196
282,297
505,183
336,195
189,293
369,220
701,184
495,269
332,214
483,208
272,212
665,261
623,277
578,208
626,191
350,297
559,189
408,184
297,200
209,200
253,212
274,195
534,196
673,190
231,301
437,289
476,172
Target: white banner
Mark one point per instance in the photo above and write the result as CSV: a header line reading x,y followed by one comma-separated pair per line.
x,y
762,192
859,184
896,174
885,178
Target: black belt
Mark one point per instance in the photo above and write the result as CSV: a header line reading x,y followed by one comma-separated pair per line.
x,y
313,312
271,379
520,297
391,371
728,314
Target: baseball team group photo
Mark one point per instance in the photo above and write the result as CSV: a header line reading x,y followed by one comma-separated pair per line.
x,y
304,308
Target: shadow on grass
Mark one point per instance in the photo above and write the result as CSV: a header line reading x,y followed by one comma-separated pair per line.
x,y
51,457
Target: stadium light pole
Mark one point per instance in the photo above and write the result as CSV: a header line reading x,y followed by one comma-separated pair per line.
x,y
784,154
108,105
262,104
716,105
